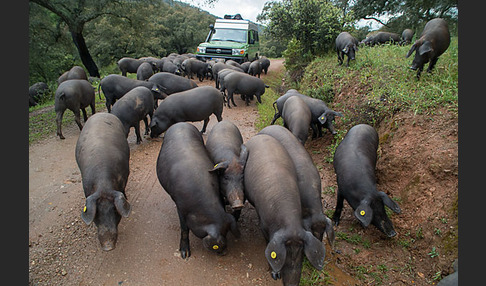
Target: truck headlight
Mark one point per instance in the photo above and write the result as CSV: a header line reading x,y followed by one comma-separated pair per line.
x,y
201,50
237,52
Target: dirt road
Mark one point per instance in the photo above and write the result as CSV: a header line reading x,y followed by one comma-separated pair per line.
x,y
64,251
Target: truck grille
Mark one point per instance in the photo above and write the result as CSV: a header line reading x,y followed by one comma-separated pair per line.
x,y
218,51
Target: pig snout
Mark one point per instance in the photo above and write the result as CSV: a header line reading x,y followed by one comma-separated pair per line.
x,y
107,237
386,226
236,199
392,233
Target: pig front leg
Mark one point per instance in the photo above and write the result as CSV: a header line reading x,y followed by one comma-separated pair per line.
x,y
339,208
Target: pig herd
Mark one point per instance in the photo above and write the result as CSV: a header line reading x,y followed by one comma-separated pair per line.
x,y
210,181
432,43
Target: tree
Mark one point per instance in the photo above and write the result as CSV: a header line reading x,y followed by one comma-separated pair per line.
x,y
315,24
411,13
76,13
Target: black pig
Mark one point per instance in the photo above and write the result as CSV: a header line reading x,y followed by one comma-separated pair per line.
x,y
75,95
297,117
115,86
433,42
134,106
183,170
346,45
226,149
271,187
321,115
354,164
244,84
191,105
309,182
104,173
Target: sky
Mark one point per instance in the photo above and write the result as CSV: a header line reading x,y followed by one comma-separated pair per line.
x,y
248,9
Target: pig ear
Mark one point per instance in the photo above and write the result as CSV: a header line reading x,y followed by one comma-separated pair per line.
x,y
329,231
322,118
276,252
314,250
425,48
153,123
220,166
339,114
89,210
390,203
412,49
121,204
243,154
364,213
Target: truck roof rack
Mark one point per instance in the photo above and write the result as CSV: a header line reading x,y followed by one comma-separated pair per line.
x,y
233,17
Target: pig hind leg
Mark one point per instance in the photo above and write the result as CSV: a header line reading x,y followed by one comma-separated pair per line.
x,y
137,131
59,115
205,124
85,115
145,120
184,246
77,117
432,64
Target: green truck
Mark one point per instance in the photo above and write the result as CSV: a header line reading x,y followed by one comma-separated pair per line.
x,y
230,38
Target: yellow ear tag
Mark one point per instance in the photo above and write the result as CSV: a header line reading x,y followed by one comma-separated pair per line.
x,y
273,255
322,118
215,165
215,247
362,212
84,209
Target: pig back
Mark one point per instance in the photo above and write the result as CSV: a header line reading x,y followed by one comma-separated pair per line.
x,y
183,168
308,177
102,151
344,39
355,157
224,141
271,183
138,100
437,31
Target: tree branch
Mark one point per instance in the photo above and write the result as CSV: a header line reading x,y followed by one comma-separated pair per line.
x,y
59,10
377,20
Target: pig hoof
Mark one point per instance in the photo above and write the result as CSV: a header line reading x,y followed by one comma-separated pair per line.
x,y
275,275
185,254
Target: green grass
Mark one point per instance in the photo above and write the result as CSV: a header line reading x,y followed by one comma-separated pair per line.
x,y
382,75
265,109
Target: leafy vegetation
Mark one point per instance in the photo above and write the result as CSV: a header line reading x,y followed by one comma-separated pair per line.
x,y
111,30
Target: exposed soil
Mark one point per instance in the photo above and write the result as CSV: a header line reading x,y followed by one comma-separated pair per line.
x,y
417,164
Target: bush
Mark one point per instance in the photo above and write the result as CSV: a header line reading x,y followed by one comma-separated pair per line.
x,y
296,59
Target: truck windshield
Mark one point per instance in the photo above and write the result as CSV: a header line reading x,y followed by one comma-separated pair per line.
x,y
229,35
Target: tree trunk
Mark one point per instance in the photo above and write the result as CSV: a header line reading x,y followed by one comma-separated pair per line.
x,y
86,58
